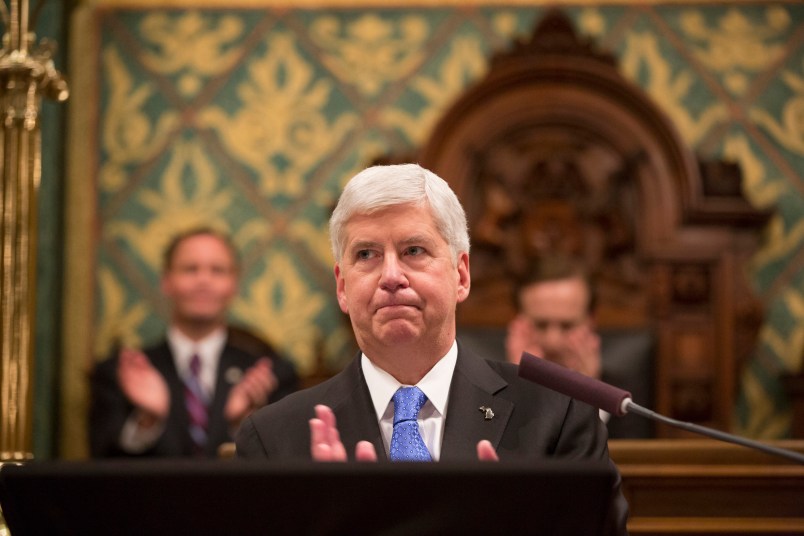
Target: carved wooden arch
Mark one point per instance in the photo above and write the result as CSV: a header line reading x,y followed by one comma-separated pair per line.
x,y
554,150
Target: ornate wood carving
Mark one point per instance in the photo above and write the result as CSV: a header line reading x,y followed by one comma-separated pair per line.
x,y
554,151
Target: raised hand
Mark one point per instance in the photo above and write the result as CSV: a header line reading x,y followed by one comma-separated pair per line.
x,y
582,352
521,338
142,384
251,392
326,445
325,440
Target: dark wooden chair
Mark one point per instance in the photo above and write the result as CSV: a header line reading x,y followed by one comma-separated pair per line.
x,y
554,151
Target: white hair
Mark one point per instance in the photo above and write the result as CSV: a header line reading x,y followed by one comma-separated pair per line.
x,y
379,187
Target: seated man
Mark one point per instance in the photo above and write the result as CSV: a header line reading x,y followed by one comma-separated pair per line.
x,y
401,247
556,303
188,394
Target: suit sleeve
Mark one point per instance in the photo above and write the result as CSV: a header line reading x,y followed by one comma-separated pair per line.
x,y
247,442
108,411
579,439
112,428
286,376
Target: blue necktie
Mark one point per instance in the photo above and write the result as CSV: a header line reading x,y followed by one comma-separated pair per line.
x,y
406,441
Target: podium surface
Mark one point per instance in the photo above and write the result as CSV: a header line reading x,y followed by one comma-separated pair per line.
x,y
242,498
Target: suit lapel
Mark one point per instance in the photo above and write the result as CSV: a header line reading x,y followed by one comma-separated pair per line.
x,y
162,359
230,371
350,400
218,427
474,386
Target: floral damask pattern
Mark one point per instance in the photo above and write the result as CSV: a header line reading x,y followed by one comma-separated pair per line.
x,y
371,51
788,129
172,204
737,46
129,135
192,46
281,129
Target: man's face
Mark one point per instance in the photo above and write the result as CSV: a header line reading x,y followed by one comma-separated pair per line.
x,y
201,279
556,310
397,281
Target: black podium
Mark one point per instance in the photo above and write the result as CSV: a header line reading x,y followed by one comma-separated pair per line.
x,y
234,497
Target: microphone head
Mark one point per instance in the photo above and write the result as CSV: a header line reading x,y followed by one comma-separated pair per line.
x,y
573,384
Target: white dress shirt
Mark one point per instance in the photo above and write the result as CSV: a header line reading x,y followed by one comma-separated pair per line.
x,y
133,438
209,351
435,385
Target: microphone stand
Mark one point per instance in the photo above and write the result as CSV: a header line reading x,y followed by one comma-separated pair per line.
x,y
628,406
618,402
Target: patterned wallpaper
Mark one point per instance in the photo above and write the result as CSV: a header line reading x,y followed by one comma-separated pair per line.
x,y
251,119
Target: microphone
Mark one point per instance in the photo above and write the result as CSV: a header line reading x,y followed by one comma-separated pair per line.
x,y
573,384
618,402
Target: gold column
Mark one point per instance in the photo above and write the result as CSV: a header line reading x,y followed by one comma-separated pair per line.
x,y
26,74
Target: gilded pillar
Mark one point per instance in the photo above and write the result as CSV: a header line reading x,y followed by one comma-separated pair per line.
x,y
27,73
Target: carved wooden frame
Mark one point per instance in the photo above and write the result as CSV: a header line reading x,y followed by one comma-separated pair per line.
x,y
693,230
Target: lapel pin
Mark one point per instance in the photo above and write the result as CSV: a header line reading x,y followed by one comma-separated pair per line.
x,y
488,414
233,375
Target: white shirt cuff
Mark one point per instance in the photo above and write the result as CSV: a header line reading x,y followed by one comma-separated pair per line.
x,y
134,439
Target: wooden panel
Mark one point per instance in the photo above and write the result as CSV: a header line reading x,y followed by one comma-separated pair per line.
x,y
706,487
695,526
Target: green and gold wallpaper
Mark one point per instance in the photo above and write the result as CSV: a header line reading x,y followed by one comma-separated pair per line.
x,y
252,118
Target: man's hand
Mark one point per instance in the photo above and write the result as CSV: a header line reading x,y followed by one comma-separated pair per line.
x,y
582,352
520,338
251,392
579,349
325,440
486,452
143,385
326,445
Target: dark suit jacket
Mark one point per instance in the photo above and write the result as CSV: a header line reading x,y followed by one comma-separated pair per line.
x,y
628,363
627,356
109,408
529,421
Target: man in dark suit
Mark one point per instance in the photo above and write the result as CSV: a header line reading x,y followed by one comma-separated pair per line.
x,y
556,321
188,394
401,247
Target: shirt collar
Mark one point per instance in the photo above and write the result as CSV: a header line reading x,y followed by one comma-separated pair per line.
x,y
435,384
208,349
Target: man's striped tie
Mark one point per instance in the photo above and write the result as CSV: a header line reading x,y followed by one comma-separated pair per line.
x,y
197,403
